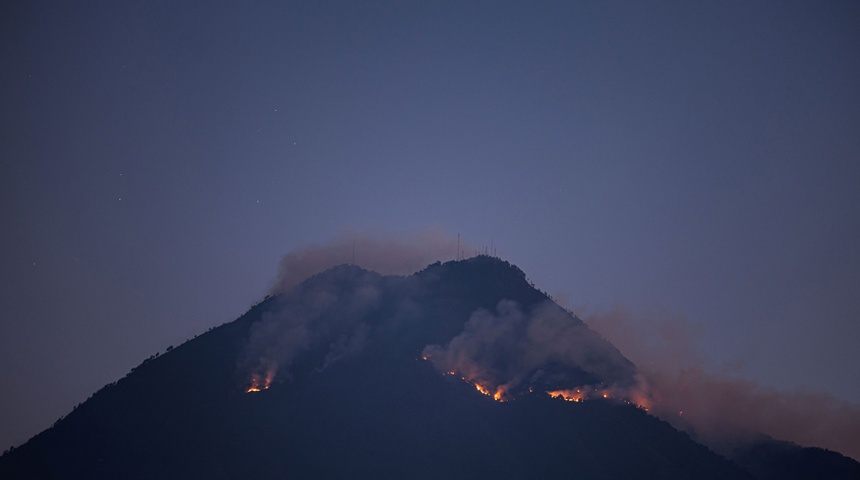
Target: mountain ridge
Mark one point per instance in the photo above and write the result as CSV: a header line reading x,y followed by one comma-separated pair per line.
x,y
356,399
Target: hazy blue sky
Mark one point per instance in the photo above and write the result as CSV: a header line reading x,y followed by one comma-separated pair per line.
x,y
700,159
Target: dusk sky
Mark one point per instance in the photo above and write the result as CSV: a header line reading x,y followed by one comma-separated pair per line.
x,y
695,160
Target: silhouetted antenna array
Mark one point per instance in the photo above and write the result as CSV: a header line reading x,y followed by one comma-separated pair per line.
x,y
486,250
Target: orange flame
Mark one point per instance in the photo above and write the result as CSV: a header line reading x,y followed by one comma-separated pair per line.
x,y
637,399
640,399
498,395
259,383
572,395
482,389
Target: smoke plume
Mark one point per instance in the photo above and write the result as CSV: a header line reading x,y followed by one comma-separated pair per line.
x,y
385,253
510,351
330,313
326,312
720,408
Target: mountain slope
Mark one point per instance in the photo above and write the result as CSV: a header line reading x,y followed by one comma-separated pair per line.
x,y
345,392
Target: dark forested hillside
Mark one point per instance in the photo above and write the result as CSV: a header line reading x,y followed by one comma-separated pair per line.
x,y
352,372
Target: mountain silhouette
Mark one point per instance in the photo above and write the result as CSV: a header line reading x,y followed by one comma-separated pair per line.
x,y
352,374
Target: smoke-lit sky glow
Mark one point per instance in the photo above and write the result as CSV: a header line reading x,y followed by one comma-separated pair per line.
x,y
697,160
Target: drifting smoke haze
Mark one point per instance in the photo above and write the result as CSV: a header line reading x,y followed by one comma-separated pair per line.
x,y
510,351
322,312
385,253
330,311
717,407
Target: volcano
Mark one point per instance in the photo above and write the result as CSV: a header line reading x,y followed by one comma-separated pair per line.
x,y
461,370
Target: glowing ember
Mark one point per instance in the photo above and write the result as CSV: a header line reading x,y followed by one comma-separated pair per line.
x,y
636,397
573,395
498,395
638,400
259,383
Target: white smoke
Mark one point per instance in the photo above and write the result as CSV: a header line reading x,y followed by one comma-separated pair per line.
x,y
329,312
717,407
510,350
387,253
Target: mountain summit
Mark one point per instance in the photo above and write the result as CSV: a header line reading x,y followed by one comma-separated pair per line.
x,y
462,370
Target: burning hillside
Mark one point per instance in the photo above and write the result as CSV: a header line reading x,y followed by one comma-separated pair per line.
x,y
260,382
635,397
215,407
504,351
510,352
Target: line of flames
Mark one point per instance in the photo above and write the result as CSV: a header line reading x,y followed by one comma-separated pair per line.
x,y
581,394
259,383
637,399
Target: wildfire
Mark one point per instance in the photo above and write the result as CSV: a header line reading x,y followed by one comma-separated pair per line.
x,y
498,395
635,397
482,389
641,399
581,394
260,383
576,395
